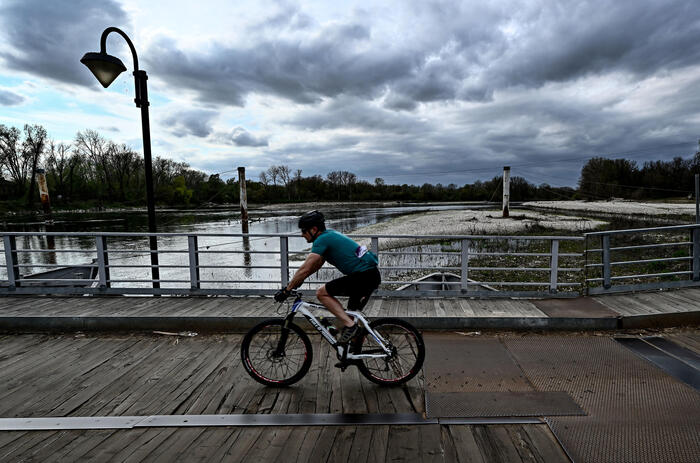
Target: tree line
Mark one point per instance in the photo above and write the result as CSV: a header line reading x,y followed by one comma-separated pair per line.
x,y
93,171
605,178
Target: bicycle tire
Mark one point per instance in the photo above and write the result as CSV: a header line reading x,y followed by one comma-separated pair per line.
x,y
260,361
408,358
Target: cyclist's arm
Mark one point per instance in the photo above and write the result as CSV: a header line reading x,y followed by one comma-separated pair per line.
x,y
312,263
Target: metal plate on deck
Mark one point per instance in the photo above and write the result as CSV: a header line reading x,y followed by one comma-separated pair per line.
x,y
580,307
681,353
69,422
311,419
636,412
661,359
457,363
482,404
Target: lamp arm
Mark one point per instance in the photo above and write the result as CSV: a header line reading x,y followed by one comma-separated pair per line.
x,y
103,44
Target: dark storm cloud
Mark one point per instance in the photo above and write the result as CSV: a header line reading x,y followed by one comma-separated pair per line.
x,y
337,61
48,38
455,52
8,98
351,112
196,122
638,37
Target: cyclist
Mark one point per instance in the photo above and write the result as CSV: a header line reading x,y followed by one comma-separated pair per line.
x,y
358,265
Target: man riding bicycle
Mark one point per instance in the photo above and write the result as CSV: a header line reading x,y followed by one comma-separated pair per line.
x,y
358,265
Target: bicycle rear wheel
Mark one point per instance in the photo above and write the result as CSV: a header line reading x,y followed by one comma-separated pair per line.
x,y
271,364
408,352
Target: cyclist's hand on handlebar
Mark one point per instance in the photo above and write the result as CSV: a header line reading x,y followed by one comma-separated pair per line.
x,y
282,295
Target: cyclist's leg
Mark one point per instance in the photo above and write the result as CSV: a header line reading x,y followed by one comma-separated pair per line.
x,y
365,285
333,305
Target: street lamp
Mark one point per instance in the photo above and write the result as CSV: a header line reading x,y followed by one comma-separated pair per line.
x,y
107,68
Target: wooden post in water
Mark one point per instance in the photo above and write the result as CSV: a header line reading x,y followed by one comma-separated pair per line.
x,y
244,200
44,192
506,191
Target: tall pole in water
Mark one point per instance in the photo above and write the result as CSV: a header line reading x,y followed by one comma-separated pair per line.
x,y
244,200
506,191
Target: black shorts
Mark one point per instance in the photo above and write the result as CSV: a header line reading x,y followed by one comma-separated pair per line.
x,y
357,286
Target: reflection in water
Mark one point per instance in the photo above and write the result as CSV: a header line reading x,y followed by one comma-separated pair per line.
x,y
248,271
51,244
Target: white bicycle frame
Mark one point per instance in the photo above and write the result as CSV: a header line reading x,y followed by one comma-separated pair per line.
x,y
302,307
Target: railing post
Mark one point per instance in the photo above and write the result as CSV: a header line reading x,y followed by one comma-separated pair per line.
x,y
284,260
465,264
606,261
11,261
375,246
554,267
696,254
102,261
194,261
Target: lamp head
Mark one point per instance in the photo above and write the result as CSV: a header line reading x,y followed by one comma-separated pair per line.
x,y
105,67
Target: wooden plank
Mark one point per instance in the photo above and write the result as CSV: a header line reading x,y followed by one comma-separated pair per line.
x,y
22,444
438,308
82,443
149,360
496,444
541,443
323,445
464,443
211,392
308,444
431,448
77,389
403,443
342,445
353,398
360,447
225,451
42,375
293,446
135,396
176,446
467,309
378,445
197,382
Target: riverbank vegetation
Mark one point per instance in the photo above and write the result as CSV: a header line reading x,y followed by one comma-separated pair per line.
x,y
95,172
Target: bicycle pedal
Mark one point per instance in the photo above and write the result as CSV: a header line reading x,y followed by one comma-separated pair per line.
x,y
342,365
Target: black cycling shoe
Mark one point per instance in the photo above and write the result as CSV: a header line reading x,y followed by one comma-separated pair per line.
x,y
348,333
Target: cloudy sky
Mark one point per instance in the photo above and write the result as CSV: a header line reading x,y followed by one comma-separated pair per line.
x,y
409,91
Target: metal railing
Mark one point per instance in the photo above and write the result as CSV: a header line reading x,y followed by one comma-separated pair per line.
x,y
642,259
245,264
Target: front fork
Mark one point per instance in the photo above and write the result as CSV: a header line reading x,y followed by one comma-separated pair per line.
x,y
284,334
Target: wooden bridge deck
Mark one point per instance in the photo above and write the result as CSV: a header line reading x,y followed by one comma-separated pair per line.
x,y
43,375
227,314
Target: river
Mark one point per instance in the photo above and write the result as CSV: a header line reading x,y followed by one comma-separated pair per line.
x,y
126,252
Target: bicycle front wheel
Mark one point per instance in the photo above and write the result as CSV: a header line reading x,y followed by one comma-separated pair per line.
x,y
406,345
272,361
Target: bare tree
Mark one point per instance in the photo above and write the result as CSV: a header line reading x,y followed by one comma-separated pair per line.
x,y
12,157
33,147
123,161
94,147
58,163
285,177
263,178
274,174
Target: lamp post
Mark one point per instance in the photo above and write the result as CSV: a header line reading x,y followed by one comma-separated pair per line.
x,y
107,68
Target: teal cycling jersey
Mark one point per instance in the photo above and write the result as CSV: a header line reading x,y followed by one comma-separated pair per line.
x,y
343,253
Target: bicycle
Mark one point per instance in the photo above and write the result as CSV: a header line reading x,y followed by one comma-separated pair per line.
x,y
277,352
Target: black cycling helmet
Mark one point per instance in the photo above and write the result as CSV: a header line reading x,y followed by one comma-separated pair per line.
x,y
312,219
